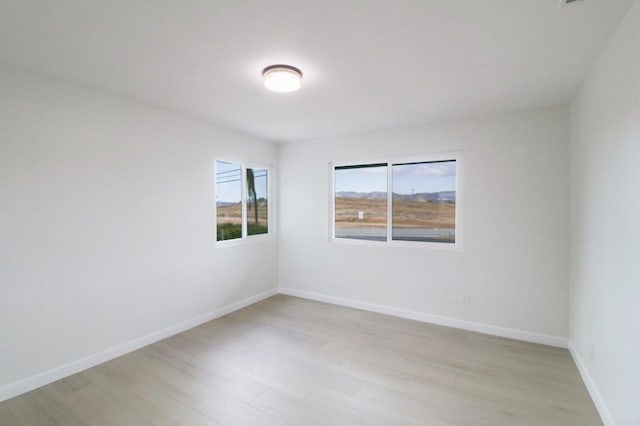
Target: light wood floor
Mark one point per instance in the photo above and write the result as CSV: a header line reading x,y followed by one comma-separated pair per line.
x,y
292,361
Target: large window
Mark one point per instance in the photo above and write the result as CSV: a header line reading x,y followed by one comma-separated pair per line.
x,y
415,201
242,195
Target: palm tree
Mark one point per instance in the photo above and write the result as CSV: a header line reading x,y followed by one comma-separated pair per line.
x,y
253,195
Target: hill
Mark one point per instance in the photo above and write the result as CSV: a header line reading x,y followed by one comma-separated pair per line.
x,y
442,196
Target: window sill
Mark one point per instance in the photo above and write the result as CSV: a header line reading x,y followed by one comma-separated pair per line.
x,y
253,239
456,247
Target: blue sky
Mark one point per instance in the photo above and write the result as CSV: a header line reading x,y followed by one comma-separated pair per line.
x,y
407,178
416,178
229,182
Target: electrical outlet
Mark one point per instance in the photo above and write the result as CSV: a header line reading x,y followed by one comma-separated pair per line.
x,y
466,299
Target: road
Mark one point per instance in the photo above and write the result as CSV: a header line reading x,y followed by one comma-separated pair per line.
x,y
402,234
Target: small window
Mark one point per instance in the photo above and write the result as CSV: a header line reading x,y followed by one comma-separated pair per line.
x,y
397,201
228,200
257,202
241,201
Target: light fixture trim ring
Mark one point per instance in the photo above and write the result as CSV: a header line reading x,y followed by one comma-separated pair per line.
x,y
271,68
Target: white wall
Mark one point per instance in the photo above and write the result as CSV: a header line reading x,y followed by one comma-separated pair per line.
x,y
514,261
605,225
107,223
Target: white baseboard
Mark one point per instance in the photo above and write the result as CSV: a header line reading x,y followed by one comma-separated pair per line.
x,y
510,333
34,382
604,412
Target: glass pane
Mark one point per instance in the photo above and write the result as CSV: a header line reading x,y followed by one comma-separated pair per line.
x,y
228,200
361,202
424,202
257,222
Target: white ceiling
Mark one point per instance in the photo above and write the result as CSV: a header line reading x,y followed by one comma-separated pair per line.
x,y
367,63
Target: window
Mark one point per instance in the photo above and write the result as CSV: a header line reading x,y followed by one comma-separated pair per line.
x,y
228,200
241,201
257,207
398,201
361,202
424,202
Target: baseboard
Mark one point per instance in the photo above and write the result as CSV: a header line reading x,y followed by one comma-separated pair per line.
x,y
510,333
34,382
604,412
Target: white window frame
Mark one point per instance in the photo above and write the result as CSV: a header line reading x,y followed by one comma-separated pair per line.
x,y
270,209
390,161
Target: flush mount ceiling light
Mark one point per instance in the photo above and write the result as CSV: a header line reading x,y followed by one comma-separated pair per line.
x,y
282,78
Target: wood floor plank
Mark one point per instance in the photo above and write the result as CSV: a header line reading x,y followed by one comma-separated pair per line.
x,y
191,392
93,406
40,408
7,417
287,360
149,402
220,378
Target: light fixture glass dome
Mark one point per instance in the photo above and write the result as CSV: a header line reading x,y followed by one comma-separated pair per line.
x,y
282,78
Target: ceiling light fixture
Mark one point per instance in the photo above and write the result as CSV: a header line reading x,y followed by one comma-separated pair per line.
x,y
282,78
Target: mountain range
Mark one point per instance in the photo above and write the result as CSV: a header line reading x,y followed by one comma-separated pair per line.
x,y
442,196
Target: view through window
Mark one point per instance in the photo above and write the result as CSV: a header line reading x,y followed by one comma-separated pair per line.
x,y
423,201
361,202
257,211
228,200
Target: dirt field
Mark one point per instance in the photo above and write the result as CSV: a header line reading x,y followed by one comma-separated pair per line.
x,y
409,214
233,213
